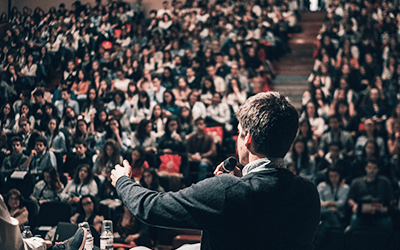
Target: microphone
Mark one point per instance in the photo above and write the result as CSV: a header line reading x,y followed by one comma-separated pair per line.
x,y
228,165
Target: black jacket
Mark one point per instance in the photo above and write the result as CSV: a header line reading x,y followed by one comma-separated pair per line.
x,y
268,209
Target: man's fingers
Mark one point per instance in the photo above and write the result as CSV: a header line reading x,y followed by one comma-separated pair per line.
x,y
128,168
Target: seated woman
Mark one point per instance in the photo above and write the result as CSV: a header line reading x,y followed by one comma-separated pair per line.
x,y
136,158
333,194
128,229
181,92
172,141
82,134
143,109
82,184
113,131
25,111
55,138
120,103
88,212
69,119
298,155
108,158
150,180
47,189
144,136
234,95
13,200
169,106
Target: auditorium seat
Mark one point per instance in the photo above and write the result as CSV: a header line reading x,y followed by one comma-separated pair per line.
x,y
50,214
369,238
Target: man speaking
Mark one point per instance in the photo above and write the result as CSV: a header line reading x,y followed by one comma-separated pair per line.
x,y
267,208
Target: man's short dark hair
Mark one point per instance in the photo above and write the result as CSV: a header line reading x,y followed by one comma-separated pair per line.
x,y
42,140
67,90
26,93
272,122
16,138
82,142
335,116
372,160
23,119
38,92
336,144
198,120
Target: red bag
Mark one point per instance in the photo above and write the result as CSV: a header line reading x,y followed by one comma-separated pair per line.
x,y
170,163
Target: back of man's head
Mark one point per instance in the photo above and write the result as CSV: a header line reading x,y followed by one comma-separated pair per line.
x,y
272,122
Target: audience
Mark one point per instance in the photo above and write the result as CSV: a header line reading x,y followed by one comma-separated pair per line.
x,y
188,66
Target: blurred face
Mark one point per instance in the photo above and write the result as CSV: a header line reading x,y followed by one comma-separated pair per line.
x,y
374,95
372,170
310,109
80,149
109,150
87,205
156,82
25,109
342,109
135,155
304,128
173,126
92,94
182,83
46,177
118,99
211,70
40,147
334,177
369,126
334,150
148,178
7,109
83,174
167,97
369,148
216,99
103,116
52,125
70,113
149,127
157,111
299,147
333,123
13,202
65,96
16,147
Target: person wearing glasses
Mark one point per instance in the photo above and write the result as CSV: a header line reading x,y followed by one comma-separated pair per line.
x,y
82,184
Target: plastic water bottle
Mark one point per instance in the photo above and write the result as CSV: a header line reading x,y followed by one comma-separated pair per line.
x,y
27,232
89,238
106,237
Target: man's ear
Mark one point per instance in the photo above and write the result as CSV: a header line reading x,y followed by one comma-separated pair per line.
x,y
248,140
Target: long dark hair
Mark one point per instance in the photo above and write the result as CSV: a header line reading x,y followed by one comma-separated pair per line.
x,y
109,132
99,125
54,179
89,177
143,94
10,115
141,133
304,157
16,192
139,162
169,120
155,184
57,126
203,85
104,158
328,181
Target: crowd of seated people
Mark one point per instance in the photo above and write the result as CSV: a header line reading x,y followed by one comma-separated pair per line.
x,y
349,127
144,88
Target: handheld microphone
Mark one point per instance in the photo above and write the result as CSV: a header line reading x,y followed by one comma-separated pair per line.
x,y
228,165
